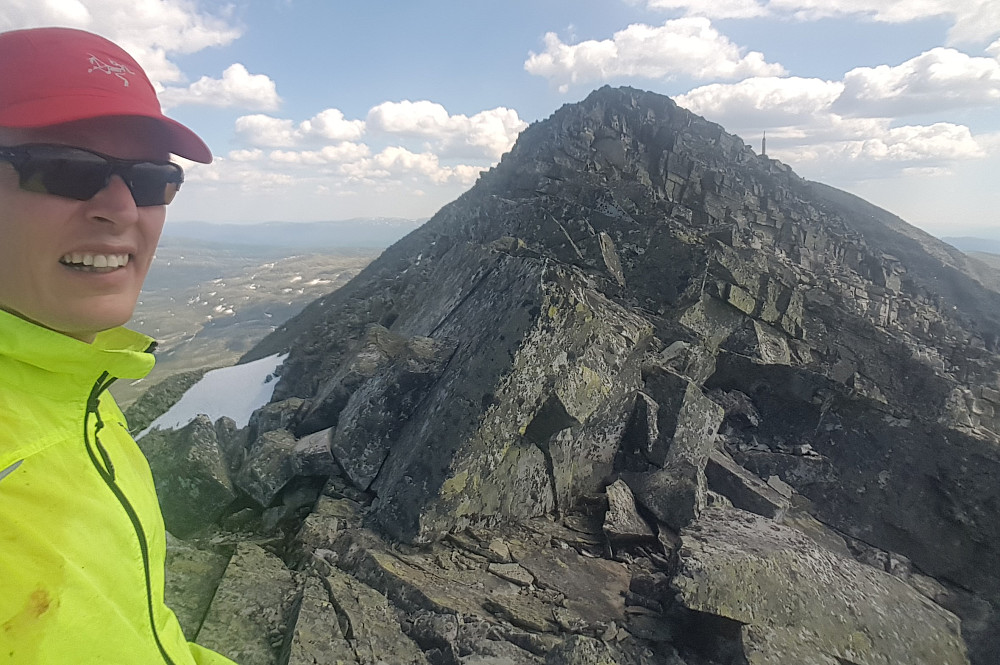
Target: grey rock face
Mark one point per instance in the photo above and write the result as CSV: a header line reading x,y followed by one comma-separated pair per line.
x,y
192,576
192,482
377,411
633,293
518,421
250,612
796,602
745,490
268,467
623,522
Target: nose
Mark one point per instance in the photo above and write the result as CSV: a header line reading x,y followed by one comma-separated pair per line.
x,y
114,203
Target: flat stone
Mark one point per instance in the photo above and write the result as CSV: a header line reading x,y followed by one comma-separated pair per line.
x,y
318,636
512,572
798,602
745,490
250,608
523,611
372,628
192,576
594,588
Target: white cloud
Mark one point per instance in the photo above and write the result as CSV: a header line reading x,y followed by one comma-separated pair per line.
x,y
246,155
266,131
270,132
937,80
241,171
713,8
150,30
973,21
237,88
930,148
331,154
331,124
486,134
682,47
805,131
762,102
396,162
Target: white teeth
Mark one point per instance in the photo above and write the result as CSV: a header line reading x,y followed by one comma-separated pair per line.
x,y
95,260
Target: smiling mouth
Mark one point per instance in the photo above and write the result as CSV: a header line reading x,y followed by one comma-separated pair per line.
x,y
94,262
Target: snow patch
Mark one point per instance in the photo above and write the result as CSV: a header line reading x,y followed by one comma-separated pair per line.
x,y
235,392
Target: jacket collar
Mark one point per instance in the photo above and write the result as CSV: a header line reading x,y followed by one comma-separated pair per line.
x,y
121,352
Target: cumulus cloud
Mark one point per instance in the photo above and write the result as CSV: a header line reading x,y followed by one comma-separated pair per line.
x,y
805,130
269,132
937,80
682,47
150,30
331,154
713,8
930,148
973,21
764,101
488,133
237,88
332,125
398,162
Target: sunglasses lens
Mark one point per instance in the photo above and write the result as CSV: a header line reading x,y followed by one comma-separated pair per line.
x,y
153,184
76,174
81,174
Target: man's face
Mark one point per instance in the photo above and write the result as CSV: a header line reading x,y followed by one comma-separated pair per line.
x,y
39,232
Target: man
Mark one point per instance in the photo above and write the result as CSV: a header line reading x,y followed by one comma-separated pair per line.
x,y
84,182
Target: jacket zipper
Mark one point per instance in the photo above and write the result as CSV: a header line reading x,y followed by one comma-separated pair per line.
x,y
107,471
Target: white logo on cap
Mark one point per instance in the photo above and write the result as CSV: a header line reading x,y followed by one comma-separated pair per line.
x,y
110,68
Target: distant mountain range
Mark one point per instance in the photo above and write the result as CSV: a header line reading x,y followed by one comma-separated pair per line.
x,y
363,232
972,244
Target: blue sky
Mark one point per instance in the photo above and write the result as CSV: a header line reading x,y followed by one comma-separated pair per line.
x,y
322,110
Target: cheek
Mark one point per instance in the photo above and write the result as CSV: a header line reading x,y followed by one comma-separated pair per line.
x,y
151,221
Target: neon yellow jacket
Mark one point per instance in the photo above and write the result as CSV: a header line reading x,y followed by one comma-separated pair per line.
x,y
82,542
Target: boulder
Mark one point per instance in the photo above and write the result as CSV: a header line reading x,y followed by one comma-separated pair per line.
x,y
675,492
191,478
371,627
318,636
527,414
268,466
191,579
745,490
797,602
381,404
250,612
622,522
311,455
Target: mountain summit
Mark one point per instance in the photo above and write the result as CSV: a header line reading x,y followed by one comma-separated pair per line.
x,y
755,379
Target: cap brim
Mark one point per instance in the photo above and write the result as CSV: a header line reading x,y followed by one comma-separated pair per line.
x,y
181,141
185,143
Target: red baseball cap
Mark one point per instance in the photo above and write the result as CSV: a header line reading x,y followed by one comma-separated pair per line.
x,y
49,76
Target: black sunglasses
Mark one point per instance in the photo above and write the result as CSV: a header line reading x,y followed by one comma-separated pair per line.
x,y
80,174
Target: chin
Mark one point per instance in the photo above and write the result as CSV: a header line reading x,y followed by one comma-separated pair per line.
x,y
87,327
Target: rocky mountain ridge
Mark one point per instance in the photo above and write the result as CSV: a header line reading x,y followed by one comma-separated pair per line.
x,y
763,411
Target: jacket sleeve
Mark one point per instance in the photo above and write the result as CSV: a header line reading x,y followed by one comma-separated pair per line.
x,y
203,656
